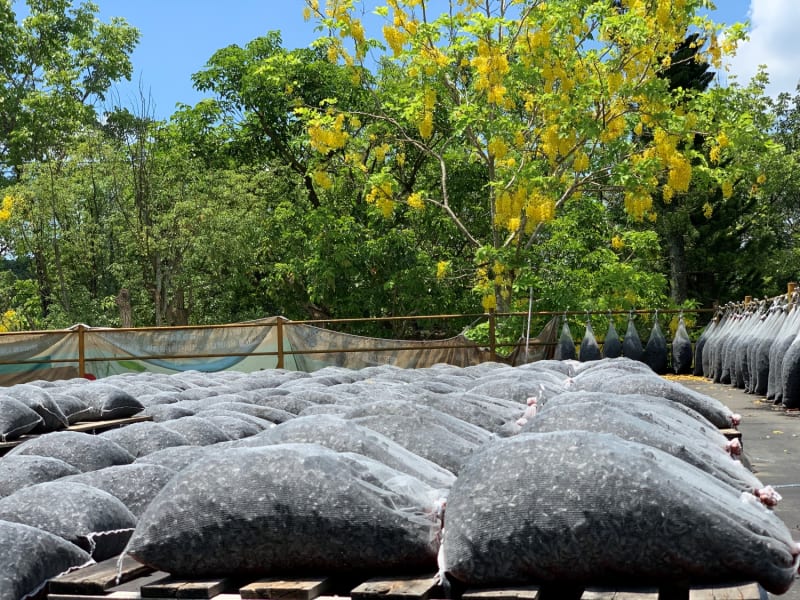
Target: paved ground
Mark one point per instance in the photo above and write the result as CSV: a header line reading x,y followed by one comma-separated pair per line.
x,y
771,440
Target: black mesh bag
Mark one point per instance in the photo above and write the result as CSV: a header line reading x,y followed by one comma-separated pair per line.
x,y
134,485
88,517
29,557
83,451
294,508
598,510
19,471
16,419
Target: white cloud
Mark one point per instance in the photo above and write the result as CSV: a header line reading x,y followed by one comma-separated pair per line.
x,y
774,41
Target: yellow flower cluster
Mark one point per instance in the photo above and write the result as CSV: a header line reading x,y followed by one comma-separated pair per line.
x,y
395,38
434,56
708,210
638,203
614,128
323,180
540,208
425,125
534,40
491,66
10,321
6,207
555,144
442,267
727,189
580,162
382,196
679,168
509,207
325,138
537,207
312,6
489,301
680,173
381,152
497,148
617,243
416,201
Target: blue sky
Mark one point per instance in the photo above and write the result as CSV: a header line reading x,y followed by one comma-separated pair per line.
x,y
178,37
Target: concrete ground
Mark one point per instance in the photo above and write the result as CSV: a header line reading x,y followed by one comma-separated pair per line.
x,y
771,440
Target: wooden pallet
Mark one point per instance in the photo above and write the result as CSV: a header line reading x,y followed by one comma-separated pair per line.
x,y
130,580
92,427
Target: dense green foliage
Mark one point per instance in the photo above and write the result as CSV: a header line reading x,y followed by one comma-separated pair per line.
x,y
308,187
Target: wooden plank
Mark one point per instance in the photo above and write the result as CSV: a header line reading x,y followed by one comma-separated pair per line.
x,y
523,593
599,595
519,593
136,584
307,588
745,592
111,596
95,426
400,588
186,588
96,579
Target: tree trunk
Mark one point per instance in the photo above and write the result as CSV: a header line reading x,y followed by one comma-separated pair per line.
x,y
123,301
677,267
43,280
178,313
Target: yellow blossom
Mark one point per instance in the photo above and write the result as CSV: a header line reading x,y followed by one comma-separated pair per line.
x,y
680,173
386,206
415,201
638,203
617,243
727,189
328,136
426,125
6,208
489,302
760,180
708,210
581,162
497,148
442,267
381,195
333,53
323,180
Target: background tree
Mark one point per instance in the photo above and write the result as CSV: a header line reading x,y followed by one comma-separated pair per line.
x,y
54,66
543,98
326,253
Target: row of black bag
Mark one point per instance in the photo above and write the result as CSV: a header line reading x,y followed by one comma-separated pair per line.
x,y
655,353
756,348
